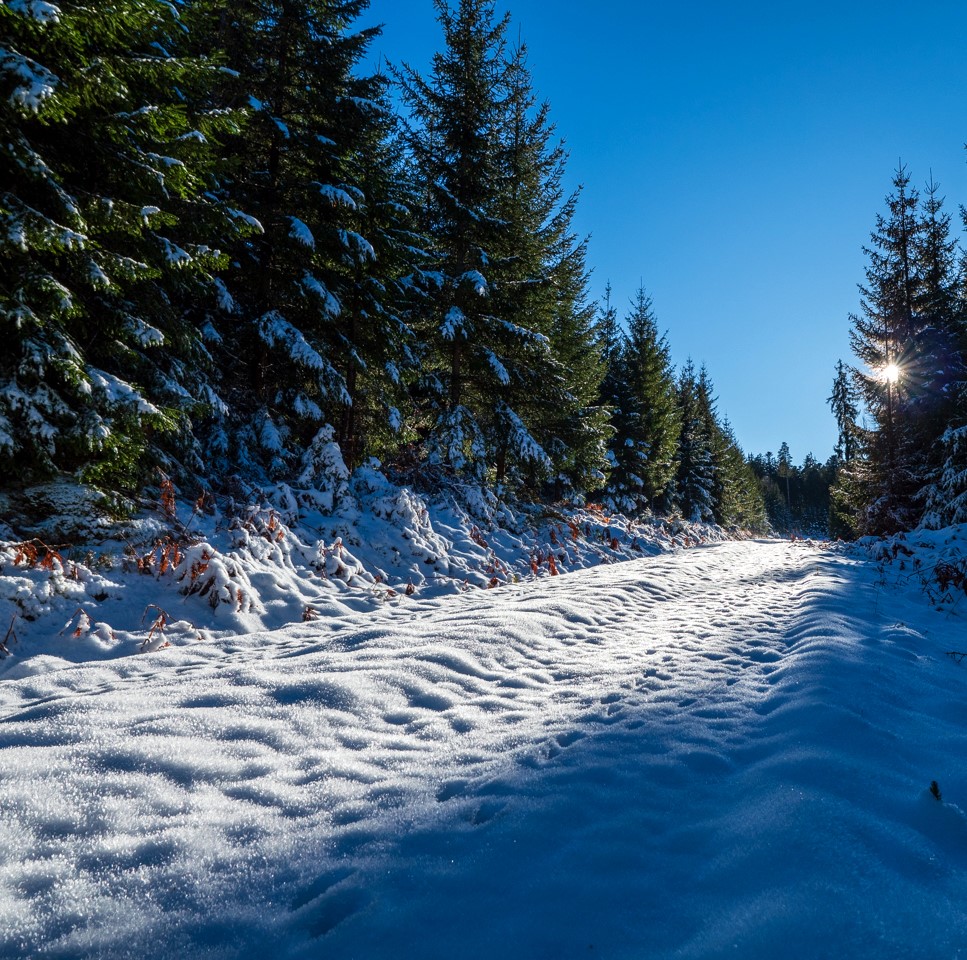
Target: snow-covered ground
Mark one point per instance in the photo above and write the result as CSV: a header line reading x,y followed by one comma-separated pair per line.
x,y
74,589
722,751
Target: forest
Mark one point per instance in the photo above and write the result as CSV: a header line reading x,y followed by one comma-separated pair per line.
x,y
232,256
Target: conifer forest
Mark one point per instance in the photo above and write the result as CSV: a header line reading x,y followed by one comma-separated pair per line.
x,y
231,255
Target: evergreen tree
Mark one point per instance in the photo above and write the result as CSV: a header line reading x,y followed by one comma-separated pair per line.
x,y
946,498
310,328
108,227
539,282
609,338
784,470
848,493
696,475
572,424
646,441
844,404
455,137
884,339
512,368
938,373
381,294
741,504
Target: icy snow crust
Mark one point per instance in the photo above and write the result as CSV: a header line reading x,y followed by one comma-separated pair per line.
x,y
723,751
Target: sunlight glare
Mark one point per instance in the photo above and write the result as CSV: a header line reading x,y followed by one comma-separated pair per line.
x,y
891,373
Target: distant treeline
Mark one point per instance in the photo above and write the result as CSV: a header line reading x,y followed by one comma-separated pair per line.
x,y
797,498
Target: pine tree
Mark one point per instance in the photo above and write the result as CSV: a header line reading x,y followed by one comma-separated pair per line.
x,y
741,505
539,282
107,229
884,339
946,498
843,402
609,336
489,175
572,424
380,295
848,494
647,424
696,475
939,369
784,470
311,327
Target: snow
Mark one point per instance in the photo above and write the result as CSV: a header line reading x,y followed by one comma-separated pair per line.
x,y
276,331
299,231
226,303
245,218
118,392
315,286
361,249
38,10
475,279
722,751
500,371
35,83
454,324
337,196
145,333
174,254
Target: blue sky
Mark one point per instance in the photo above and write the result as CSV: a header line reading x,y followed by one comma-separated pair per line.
x,y
733,158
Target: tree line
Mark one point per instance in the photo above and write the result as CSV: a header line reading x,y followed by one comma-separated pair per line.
x,y
901,409
797,496
225,252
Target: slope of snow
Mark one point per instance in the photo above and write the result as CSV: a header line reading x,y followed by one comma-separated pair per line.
x,y
185,573
724,751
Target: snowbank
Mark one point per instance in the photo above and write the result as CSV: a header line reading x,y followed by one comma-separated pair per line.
x,y
186,573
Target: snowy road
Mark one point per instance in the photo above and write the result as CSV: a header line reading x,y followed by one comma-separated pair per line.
x,y
719,752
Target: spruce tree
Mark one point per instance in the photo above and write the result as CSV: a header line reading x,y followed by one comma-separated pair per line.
x,y
538,282
454,137
938,367
696,474
108,228
647,423
884,338
498,230
741,505
844,404
306,330
381,294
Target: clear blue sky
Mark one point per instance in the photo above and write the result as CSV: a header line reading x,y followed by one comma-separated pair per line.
x,y
733,158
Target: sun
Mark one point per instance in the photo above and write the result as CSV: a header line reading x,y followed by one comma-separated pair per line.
x,y
891,373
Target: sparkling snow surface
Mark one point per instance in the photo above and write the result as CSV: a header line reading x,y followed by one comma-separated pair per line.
x,y
725,751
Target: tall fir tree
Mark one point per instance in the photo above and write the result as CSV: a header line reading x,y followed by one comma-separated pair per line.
x,y
541,283
310,326
646,418
884,338
455,139
108,228
381,294
946,498
695,482
844,404
741,505
512,278
847,492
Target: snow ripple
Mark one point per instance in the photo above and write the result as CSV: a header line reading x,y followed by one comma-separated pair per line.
x,y
721,751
